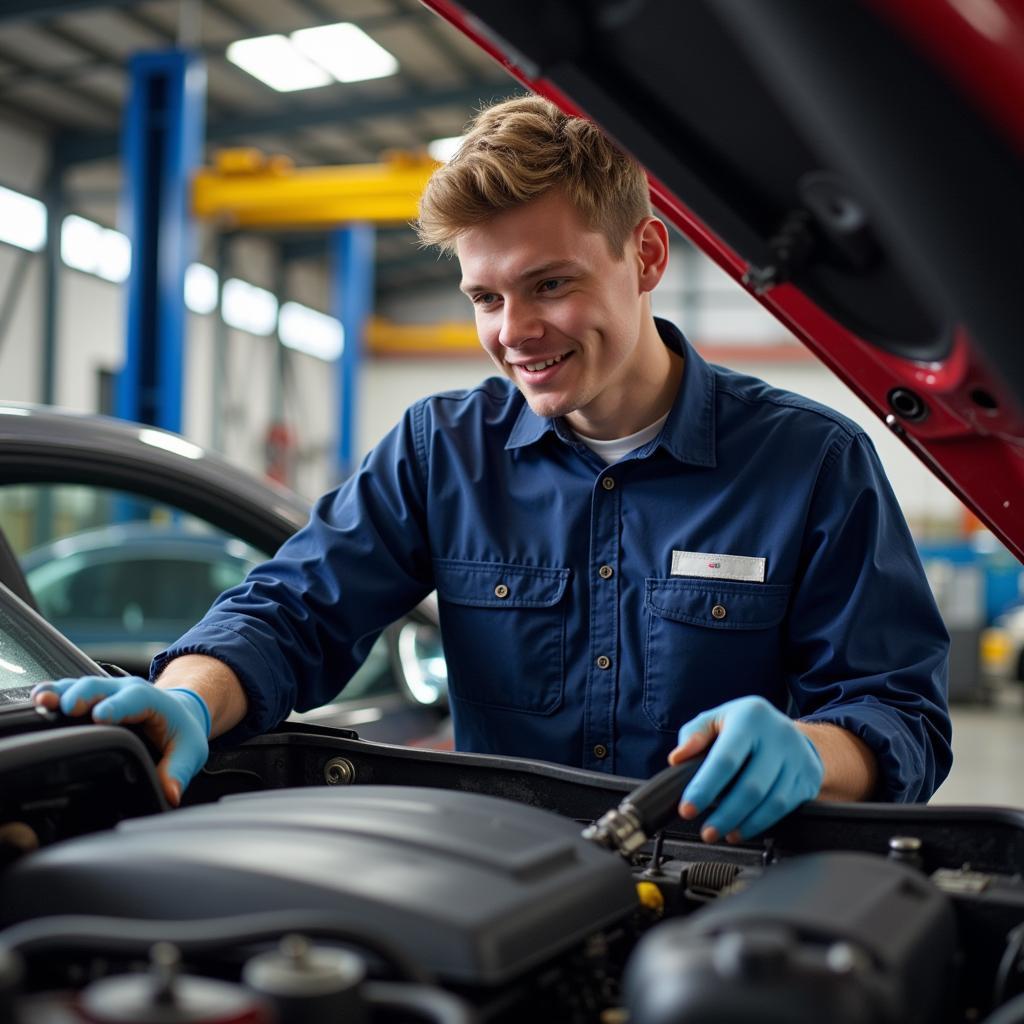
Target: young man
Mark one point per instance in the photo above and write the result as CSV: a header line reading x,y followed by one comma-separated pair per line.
x,y
637,556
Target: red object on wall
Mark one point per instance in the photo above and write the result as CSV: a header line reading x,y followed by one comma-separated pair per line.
x,y
279,453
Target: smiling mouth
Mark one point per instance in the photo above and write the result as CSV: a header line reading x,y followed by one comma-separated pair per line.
x,y
542,364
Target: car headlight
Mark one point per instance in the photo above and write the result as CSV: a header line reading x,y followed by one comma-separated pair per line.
x,y
423,663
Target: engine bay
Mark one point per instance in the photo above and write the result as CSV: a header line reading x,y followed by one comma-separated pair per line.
x,y
312,876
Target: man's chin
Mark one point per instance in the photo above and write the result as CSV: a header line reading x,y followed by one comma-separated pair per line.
x,y
548,406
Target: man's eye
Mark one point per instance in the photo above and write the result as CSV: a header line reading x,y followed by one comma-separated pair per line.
x,y
551,284
485,299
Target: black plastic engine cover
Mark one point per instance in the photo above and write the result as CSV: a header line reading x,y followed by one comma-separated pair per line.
x,y
473,888
847,938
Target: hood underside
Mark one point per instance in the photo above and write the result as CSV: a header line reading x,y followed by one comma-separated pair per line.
x,y
858,165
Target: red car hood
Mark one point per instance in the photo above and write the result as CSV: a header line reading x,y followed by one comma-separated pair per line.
x,y
857,164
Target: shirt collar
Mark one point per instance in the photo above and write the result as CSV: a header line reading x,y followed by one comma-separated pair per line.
x,y
689,431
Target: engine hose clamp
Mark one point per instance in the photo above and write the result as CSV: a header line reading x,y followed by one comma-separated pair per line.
x,y
618,829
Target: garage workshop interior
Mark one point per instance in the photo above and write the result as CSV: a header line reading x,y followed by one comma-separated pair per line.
x,y
219,295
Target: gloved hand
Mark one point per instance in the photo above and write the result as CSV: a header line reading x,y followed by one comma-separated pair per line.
x,y
775,766
176,721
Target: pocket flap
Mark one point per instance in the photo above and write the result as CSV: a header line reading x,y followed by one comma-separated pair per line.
x,y
498,584
717,603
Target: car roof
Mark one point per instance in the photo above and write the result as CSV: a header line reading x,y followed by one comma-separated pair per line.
x,y
47,445
133,540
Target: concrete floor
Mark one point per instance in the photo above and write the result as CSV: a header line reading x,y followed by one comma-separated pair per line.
x,y
988,756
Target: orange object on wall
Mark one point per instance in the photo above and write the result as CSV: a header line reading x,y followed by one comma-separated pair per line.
x,y
279,453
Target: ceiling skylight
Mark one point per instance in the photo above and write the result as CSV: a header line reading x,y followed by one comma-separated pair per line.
x,y
313,57
277,63
346,51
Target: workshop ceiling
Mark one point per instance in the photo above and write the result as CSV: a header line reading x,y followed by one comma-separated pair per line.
x,y
63,71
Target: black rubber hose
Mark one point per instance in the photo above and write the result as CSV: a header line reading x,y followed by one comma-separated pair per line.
x,y
655,802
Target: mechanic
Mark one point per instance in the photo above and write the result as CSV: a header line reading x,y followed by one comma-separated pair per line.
x,y
637,555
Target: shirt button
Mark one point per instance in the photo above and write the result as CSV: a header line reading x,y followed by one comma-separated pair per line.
x,y
608,483
718,612
606,572
502,591
600,751
604,661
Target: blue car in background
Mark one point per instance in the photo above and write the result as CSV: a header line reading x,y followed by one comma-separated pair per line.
x,y
121,536
124,592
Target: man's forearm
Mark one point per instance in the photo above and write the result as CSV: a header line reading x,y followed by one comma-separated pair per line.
x,y
214,682
851,770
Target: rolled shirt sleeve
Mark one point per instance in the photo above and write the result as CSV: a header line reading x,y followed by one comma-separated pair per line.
x,y
867,647
297,628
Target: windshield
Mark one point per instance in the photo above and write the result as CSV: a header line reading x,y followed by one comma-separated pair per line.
x,y
31,652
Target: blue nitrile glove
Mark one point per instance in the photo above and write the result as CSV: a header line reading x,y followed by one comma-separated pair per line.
x,y
775,766
176,721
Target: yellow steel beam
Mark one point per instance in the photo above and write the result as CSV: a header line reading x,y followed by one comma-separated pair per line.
x,y
384,337
248,190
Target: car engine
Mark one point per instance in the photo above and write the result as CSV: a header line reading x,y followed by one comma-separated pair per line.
x,y
314,877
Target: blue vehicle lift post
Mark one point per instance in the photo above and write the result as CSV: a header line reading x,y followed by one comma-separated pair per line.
x,y
352,252
162,140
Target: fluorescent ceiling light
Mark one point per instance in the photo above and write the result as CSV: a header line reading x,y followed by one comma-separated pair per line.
x,y
86,245
201,285
277,63
248,308
22,220
346,51
310,331
442,150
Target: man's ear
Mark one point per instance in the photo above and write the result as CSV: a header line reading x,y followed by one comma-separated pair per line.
x,y
651,237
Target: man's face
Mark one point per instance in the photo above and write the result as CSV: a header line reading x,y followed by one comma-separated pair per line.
x,y
560,315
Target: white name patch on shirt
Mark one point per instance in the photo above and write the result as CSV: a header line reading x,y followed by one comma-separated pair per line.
x,y
720,567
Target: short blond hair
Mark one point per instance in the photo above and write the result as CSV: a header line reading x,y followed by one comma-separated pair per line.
x,y
519,150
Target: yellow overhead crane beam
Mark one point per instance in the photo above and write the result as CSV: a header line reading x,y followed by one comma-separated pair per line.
x,y
387,338
246,189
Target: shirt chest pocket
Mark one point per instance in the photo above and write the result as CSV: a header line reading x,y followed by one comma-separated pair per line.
x,y
709,641
504,633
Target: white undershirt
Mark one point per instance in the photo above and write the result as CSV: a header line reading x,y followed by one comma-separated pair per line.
x,y
612,451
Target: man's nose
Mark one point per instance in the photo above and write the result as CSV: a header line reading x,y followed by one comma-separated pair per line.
x,y
519,324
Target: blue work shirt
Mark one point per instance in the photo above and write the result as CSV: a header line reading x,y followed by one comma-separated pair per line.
x,y
567,634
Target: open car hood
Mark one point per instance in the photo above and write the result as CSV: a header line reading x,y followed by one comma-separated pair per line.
x,y
857,164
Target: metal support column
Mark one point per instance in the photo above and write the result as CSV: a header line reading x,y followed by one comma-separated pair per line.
x,y
352,251
219,388
13,291
54,198
277,378
278,445
162,139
